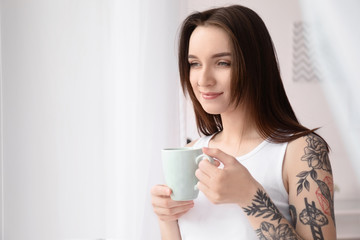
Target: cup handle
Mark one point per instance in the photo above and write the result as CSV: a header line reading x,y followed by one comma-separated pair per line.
x,y
202,157
197,161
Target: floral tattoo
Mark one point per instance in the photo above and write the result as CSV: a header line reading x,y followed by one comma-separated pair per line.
x,y
317,158
268,231
317,153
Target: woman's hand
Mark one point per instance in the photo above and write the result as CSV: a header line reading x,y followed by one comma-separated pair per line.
x,y
164,207
232,184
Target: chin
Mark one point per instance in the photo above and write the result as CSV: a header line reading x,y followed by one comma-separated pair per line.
x,y
213,111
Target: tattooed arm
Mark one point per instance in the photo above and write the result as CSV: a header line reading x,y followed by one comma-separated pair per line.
x,y
267,220
308,178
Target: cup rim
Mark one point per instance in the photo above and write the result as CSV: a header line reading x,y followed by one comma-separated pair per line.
x,y
179,149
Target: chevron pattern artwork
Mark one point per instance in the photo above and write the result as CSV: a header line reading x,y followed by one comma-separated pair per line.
x,y
304,65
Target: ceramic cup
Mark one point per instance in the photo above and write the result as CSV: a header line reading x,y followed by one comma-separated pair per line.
x,y
179,166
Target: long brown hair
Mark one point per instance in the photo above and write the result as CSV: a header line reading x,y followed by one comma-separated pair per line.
x,y
255,76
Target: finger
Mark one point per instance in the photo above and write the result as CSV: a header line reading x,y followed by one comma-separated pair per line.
x,y
167,202
219,155
171,215
208,168
161,190
204,189
202,176
216,163
210,195
174,210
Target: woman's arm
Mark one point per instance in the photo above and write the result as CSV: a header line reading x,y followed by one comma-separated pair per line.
x,y
267,220
310,184
234,184
168,211
169,230
308,178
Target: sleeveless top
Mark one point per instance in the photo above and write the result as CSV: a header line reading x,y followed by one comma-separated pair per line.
x,y
228,221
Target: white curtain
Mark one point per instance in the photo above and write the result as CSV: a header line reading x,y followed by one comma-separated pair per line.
x,y
335,32
90,95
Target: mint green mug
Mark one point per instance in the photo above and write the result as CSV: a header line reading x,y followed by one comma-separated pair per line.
x,y
179,166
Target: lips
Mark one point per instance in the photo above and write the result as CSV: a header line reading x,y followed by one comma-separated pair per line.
x,y
210,95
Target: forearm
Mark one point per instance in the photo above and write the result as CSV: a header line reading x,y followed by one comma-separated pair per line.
x,y
265,218
169,230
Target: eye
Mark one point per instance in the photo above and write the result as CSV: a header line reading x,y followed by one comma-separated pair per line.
x,y
194,64
224,64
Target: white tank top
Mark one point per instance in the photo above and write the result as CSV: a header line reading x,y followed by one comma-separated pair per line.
x,y
228,221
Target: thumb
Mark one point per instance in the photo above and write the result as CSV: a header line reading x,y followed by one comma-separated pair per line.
x,y
161,190
219,155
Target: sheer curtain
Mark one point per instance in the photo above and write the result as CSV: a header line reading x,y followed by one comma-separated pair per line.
x,y
90,95
336,36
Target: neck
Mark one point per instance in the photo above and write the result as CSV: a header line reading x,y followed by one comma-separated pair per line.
x,y
238,127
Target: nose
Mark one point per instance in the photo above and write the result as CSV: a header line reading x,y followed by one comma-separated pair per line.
x,y
206,77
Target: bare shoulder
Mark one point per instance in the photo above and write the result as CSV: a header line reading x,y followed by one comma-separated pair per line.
x,y
305,155
311,149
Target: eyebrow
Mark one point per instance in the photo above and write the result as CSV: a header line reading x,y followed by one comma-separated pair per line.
x,y
217,55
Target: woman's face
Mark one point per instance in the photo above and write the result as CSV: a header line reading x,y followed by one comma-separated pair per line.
x,y
210,60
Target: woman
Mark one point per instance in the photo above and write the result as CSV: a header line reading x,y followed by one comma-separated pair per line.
x,y
275,179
